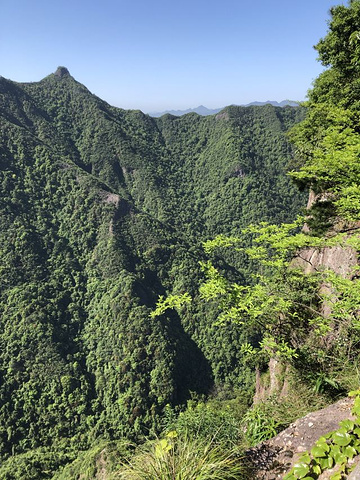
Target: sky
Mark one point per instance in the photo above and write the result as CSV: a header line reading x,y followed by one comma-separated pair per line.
x,y
156,55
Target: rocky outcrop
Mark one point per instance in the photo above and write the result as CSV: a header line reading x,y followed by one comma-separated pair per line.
x,y
272,459
62,72
340,259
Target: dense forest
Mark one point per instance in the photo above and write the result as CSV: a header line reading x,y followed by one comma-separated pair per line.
x,y
149,273
102,211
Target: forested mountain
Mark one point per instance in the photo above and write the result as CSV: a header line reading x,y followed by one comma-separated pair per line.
x,y
103,210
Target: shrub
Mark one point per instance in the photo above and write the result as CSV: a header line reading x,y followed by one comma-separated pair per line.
x,y
182,458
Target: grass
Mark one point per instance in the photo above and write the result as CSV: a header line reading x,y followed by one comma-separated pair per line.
x,y
183,458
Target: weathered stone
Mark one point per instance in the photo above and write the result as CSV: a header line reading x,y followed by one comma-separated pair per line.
x,y
278,455
62,72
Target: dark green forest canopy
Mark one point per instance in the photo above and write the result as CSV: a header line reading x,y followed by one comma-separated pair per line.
x,y
102,210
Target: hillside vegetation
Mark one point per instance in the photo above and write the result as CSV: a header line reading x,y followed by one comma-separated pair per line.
x,y
103,210
156,278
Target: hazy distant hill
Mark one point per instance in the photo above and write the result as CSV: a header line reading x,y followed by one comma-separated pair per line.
x,y
201,110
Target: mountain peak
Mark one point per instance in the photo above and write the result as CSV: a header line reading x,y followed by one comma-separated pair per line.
x,y
62,72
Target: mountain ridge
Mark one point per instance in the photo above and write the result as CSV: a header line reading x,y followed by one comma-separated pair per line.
x,y
204,111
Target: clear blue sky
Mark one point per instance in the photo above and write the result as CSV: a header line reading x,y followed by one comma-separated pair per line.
x,y
156,54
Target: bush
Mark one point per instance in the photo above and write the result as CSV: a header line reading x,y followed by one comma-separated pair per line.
x,y
182,458
209,421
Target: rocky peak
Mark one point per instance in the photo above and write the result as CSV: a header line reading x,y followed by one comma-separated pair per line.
x,y
62,72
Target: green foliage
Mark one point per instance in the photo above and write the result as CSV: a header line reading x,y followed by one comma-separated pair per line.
x,y
328,138
172,301
102,459
259,425
101,213
37,464
219,422
179,458
271,304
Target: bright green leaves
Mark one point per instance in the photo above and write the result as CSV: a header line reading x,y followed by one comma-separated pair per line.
x,y
280,301
324,463
342,438
347,425
356,407
301,469
350,452
343,299
277,348
271,304
348,203
335,168
216,285
172,301
165,445
335,161
219,242
321,449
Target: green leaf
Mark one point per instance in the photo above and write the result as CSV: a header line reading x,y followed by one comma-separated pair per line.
x,y
348,424
301,469
326,462
317,469
340,458
356,444
305,458
356,410
336,476
322,443
342,438
353,393
319,451
350,452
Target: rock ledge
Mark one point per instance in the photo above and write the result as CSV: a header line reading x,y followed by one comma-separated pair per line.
x,y
272,459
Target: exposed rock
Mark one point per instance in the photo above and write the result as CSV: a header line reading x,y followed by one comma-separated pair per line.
x,y
122,207
222,116
111,198
276,382
340,259
62,72
274,458
355,474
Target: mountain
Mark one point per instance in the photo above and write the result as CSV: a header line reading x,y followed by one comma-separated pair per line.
x,y
201,110
102,210
283,103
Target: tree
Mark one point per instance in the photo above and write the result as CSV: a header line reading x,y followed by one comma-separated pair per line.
x,y
327,142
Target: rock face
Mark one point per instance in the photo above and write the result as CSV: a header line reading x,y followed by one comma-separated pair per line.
x,y
340,259
62,72
272,459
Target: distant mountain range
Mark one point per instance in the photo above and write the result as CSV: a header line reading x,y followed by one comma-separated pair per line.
x,y
204,111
